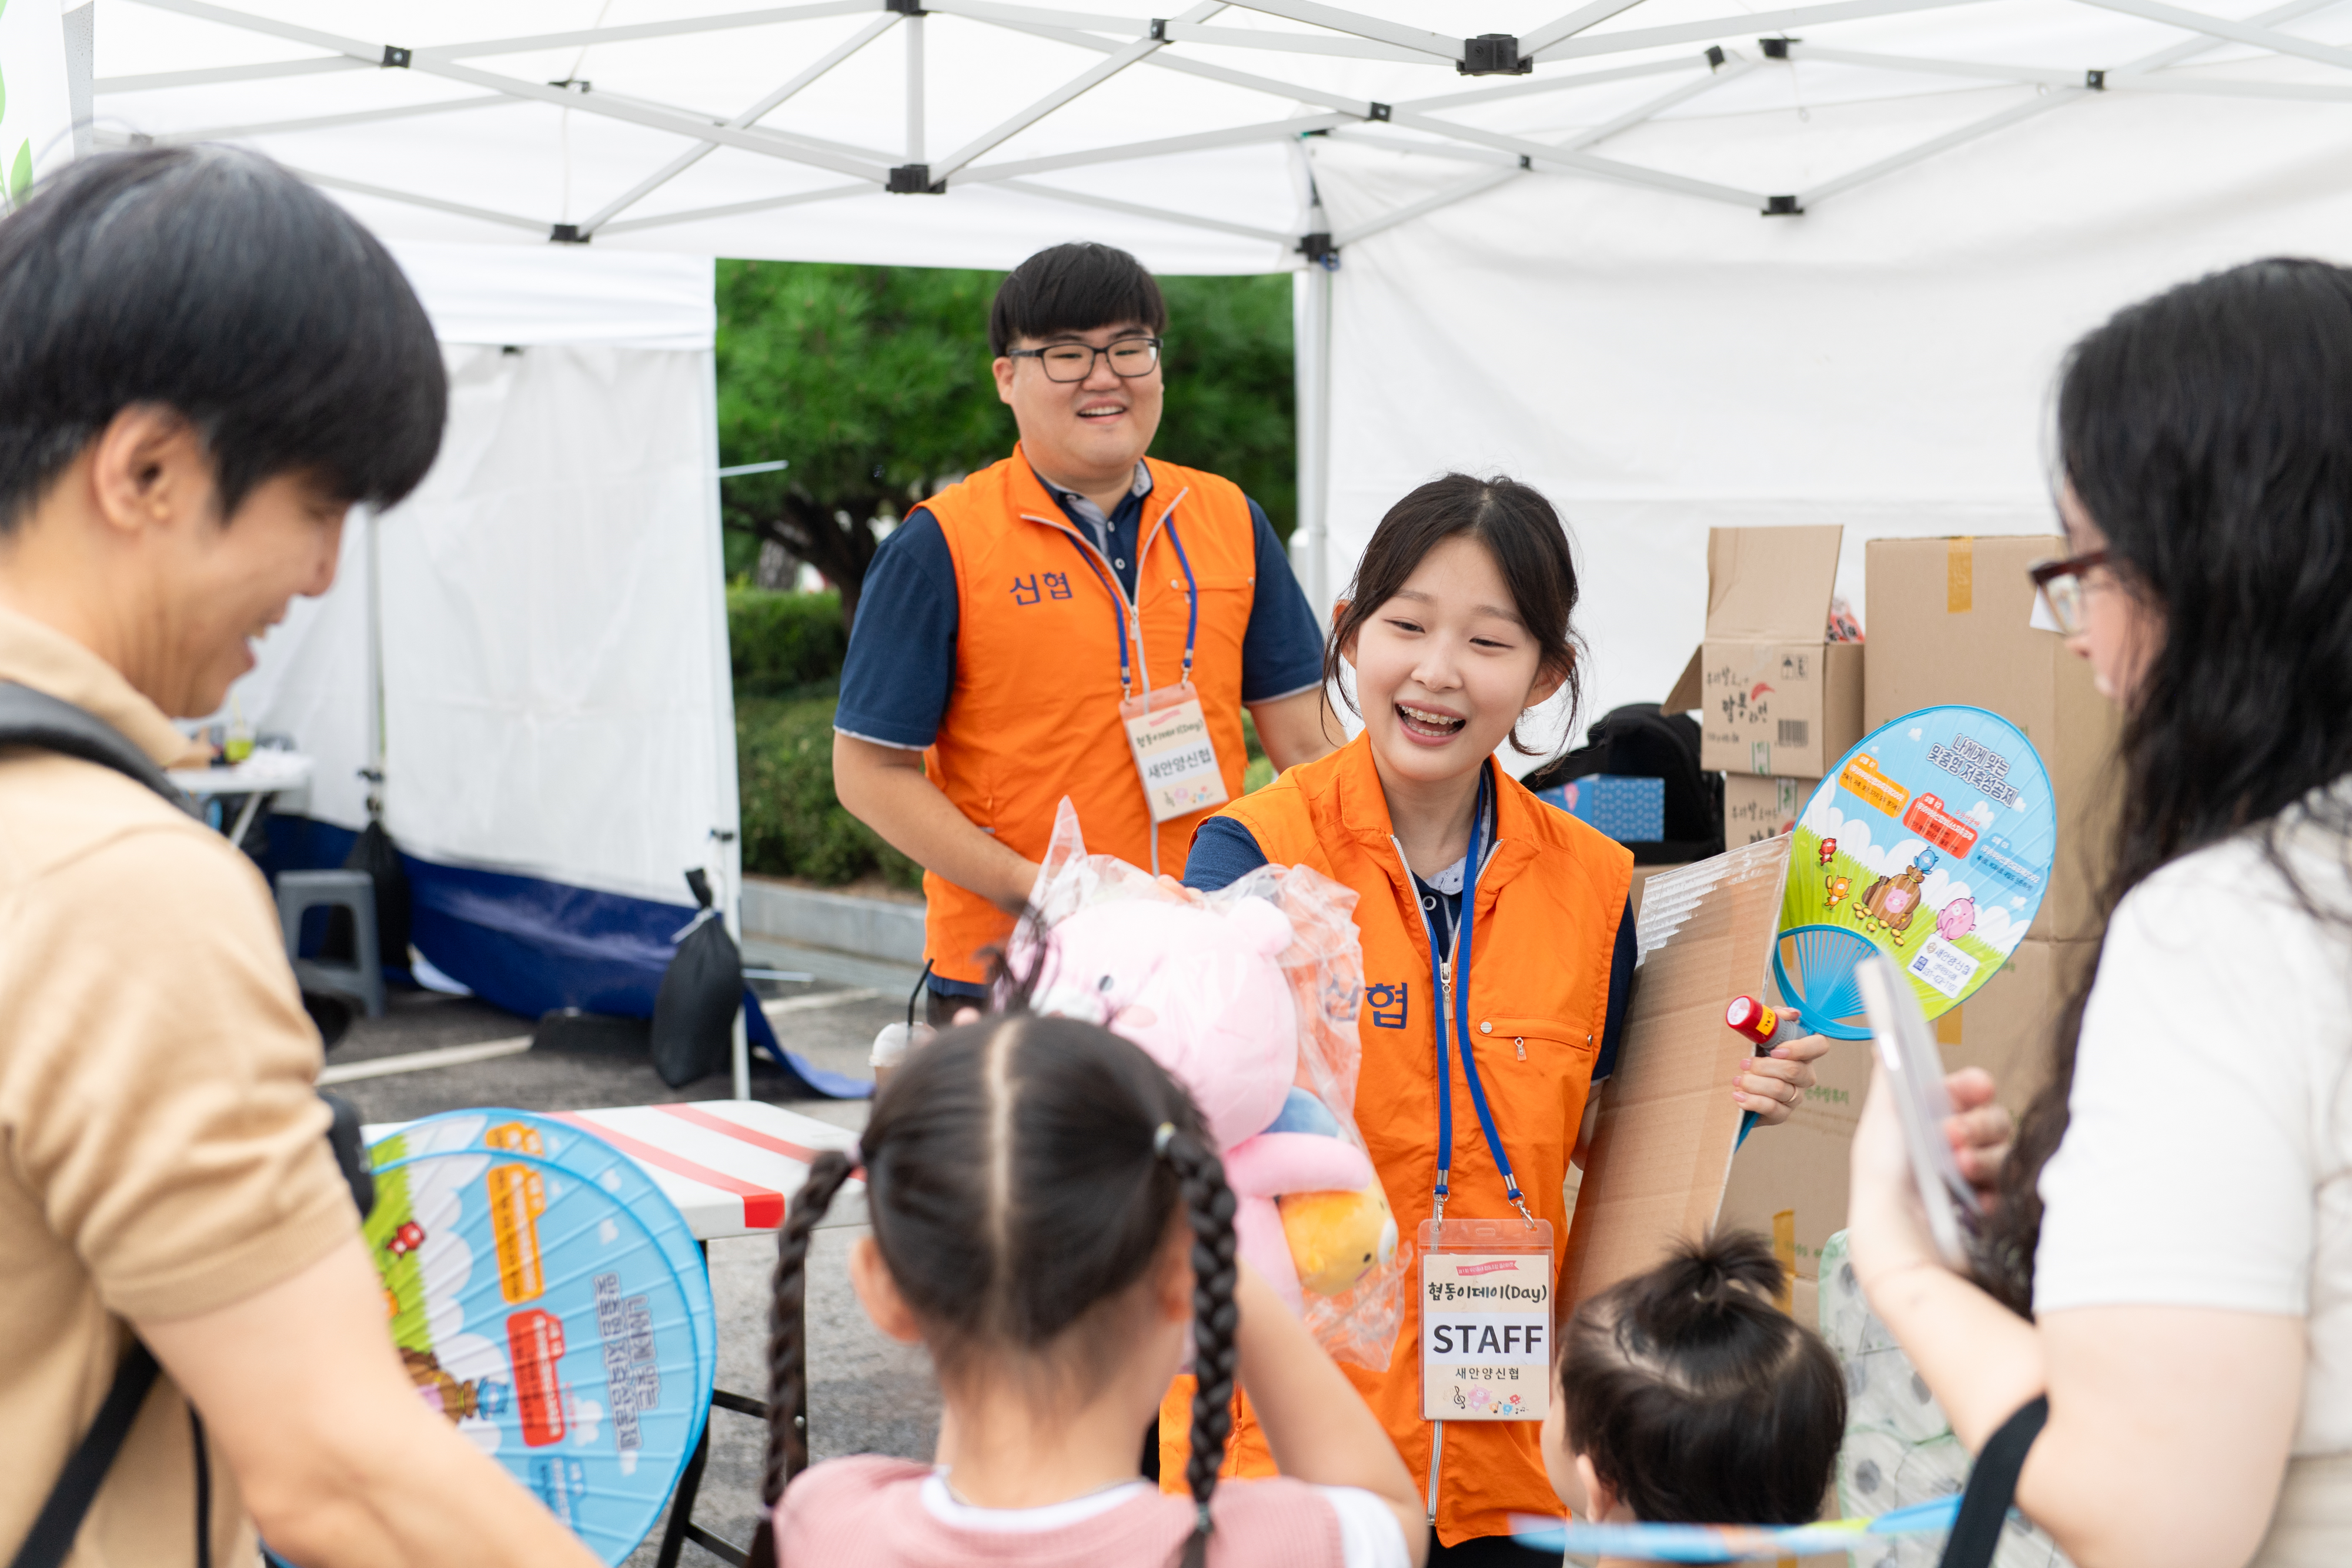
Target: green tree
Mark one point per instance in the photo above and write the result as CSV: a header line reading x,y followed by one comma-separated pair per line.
x,y
873,383
867,381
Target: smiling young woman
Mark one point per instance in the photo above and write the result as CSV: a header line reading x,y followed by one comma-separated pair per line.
x,y
1496,937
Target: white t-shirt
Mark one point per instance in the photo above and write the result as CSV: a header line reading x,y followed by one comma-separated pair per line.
x,y
1368,1534
2208,1158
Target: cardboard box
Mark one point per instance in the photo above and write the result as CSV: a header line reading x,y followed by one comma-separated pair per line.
x,y
1661,1142
1799,1169
2009,1027
1774,697
1951,623
1757,807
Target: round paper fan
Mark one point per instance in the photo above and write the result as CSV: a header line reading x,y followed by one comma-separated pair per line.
x,y
1930,842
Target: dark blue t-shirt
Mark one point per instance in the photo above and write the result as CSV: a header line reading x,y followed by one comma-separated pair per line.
x,y
1224,852
901,665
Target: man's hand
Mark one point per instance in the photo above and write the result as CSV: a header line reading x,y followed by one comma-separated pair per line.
x,y
884,787
340,1463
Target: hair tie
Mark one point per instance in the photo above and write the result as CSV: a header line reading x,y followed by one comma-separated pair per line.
x,y
1161,1137
1204,1526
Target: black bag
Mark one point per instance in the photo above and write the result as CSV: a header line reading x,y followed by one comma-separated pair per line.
x,y
1642,740
375,853
694,1012
28,717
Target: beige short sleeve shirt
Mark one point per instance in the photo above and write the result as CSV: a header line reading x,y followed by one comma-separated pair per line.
x,y
161,1148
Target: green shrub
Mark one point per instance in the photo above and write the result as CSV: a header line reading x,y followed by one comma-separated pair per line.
x,y
793,825
777,641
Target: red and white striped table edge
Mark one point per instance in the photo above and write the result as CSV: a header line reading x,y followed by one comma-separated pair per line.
x,y
729,1166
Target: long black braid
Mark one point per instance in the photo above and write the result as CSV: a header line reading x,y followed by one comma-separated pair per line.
x,y
1208,1209
788,1342
1020,1173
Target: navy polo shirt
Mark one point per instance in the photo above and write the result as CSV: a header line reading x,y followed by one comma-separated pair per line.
x,y
901,665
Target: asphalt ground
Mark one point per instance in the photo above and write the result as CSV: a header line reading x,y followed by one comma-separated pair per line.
x,y
866,1393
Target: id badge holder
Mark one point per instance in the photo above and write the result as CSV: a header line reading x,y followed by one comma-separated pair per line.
x,y
1173,752
1485,1319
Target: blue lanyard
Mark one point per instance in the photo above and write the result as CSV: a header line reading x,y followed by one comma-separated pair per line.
x,y
1119,598
1462,935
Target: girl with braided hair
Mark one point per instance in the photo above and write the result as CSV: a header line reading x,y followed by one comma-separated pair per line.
x,y
1051,1222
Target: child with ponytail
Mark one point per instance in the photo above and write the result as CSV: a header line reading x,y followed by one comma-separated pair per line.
x,y
1050,1221
1688,1397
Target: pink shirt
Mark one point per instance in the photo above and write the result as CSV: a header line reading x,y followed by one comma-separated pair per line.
x,y
868,1512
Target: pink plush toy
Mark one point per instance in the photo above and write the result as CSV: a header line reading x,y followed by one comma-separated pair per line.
x,y
1199,987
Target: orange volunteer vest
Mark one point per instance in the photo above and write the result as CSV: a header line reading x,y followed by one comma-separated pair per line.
x,y
1549,900
1033,713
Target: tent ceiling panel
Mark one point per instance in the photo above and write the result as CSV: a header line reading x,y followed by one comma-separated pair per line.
x,y
818,130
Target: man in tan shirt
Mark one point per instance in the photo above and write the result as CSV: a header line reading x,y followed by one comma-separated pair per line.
x,y
206,363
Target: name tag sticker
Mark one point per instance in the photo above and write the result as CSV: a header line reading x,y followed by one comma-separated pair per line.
x,y
1485,1320
1173,752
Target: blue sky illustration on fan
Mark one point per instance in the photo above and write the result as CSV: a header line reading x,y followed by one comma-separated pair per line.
x,y
578,1150
536,1309
1931,841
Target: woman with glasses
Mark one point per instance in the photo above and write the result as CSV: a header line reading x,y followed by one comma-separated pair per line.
x,y
2176,1213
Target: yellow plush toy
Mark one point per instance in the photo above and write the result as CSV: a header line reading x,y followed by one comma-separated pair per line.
x,y
1338,1237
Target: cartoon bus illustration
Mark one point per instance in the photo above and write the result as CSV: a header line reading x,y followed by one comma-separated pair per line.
x,y
518,1197
1956,836
1872,788
535,1344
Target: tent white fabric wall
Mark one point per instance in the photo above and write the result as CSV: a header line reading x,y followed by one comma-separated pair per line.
x,y
556,699
1563,274
1658,367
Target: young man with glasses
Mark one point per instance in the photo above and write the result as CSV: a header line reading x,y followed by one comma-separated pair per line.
x,y
1079,619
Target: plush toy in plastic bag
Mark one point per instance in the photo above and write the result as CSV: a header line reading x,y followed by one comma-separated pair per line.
x,y
1248,996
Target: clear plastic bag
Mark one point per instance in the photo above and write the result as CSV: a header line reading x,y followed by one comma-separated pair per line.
x,y
1207,1003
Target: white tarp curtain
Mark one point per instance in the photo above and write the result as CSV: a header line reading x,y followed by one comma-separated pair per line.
x,y
556,697
1886,364
1563,275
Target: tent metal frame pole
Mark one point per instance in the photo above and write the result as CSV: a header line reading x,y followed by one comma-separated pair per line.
x,y
513,87
1418,39
745,120
989,11
1526,86
1240,136
2136,76
1601,133
1084,82
1567,26
2260,37
1137,209
914,31
1542,153
212,76
736,209
1312,559
331,121
627,33
1350,48
2029,110
1757,25
435,204
1429,203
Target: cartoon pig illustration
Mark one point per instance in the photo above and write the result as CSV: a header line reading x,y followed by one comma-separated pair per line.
x,y
1958,919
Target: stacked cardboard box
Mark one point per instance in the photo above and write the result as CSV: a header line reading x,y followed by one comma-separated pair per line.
x,y
1779,704
1951,621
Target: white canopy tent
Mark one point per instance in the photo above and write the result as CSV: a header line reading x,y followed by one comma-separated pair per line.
x,y
1677,264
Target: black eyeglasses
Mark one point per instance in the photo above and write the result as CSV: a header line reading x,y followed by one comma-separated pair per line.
x,y
1128,357
2065,586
